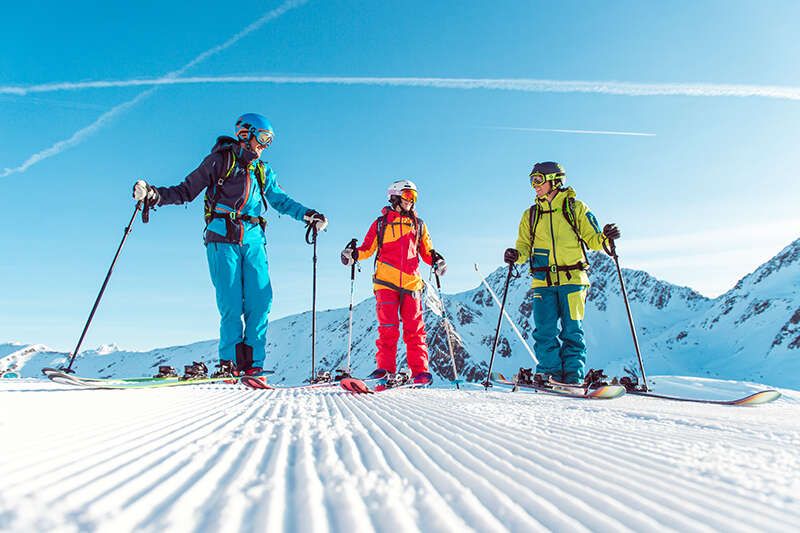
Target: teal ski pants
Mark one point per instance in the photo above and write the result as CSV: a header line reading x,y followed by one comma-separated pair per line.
x,y
561,352
240,274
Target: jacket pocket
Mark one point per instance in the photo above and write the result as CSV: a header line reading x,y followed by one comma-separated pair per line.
x,y
541,258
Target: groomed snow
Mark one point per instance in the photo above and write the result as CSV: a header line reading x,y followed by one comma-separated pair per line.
x,y
223,458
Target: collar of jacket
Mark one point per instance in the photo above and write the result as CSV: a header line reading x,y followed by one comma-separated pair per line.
x,y
243,157
561,195
392,215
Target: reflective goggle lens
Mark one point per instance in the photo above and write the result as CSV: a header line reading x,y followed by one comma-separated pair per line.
x,y
538,179
409,194
264,137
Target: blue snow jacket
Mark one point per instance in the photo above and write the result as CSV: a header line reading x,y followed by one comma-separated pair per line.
x,y
231,174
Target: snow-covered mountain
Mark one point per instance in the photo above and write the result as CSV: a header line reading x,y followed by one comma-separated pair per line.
x,y
751,332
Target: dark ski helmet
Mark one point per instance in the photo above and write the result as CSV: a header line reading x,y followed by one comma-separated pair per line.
x,y
547,171
253,125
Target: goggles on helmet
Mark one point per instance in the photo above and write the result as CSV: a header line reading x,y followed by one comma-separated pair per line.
x,y
409,195
538,179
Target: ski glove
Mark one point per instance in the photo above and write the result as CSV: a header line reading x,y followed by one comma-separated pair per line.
x,y
511,255
146,193
611,231
317,220
439,264
349,254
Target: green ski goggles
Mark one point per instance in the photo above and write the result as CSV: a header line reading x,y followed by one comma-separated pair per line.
x,y
538,179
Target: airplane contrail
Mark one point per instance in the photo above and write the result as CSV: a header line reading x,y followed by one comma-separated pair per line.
x,y
85,132
507,84
584,132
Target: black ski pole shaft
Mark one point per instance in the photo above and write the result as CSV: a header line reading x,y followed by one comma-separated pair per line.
x,y
630,316
499,322
350,322
312,230
447,329
127,232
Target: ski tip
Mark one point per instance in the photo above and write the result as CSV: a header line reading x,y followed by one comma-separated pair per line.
x,y
759,398
355,385
255,382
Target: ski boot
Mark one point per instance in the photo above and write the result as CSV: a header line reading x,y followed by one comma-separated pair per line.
x,y
341,373
423,379
378,373
631,384
397,379
166,371
595,379
195,371
524,376
322,376
225,369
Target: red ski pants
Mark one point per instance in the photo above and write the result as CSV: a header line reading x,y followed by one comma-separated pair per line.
x,y
389,304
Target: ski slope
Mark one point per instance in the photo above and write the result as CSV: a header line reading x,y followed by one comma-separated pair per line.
x,y
224,458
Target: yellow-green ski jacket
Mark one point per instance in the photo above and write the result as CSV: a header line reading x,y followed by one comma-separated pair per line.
x,y
558,258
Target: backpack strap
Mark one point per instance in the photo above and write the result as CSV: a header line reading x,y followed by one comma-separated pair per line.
x,y
569,214
229,162
261,177
380,230
533,220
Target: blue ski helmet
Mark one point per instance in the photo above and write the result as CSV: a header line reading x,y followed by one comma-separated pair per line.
x,y
252,125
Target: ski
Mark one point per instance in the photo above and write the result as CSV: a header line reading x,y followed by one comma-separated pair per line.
x,y
260,382
142,379
604,392
380,384
632,386
93,383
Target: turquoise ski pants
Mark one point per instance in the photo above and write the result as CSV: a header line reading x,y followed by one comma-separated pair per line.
x,y
561,353
240,274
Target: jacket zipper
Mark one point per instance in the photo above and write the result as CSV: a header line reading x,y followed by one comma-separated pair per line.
x,y
553,240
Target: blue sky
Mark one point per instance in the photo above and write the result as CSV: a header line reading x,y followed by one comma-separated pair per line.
x,y
361,94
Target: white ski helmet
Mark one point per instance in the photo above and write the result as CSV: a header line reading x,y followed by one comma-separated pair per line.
x,y
397,188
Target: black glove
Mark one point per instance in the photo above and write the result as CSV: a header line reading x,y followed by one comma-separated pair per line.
x,y
511,255
318,220
611,231
349,254
439,264
146,193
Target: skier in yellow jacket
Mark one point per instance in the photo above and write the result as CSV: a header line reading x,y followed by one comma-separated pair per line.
x,y
553,235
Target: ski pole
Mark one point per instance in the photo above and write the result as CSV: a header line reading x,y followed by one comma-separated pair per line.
x,y
102,289
508,318
630,316
312,233
350,322
487,384
447,329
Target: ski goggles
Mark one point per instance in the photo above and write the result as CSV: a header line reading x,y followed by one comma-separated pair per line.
x,y
263,137
538,179
409,194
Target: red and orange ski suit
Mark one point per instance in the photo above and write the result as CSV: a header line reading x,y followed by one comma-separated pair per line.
x,y
400,242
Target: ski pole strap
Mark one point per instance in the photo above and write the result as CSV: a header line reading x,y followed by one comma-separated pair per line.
x,y
611,248
145,211
311,233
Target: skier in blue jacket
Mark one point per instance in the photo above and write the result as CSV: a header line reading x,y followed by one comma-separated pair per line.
x,y
238,189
